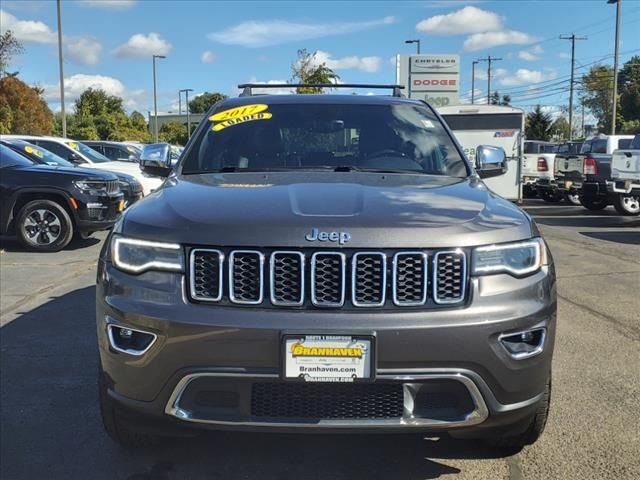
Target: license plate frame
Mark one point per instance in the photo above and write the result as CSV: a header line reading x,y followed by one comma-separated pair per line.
x,y
290,364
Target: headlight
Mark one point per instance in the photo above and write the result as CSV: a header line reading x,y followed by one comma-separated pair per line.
x,y
136,256
91,186
518,259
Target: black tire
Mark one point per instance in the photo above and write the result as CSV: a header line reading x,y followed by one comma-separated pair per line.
x,y
535,428
549,196
572,199
594,203
44,226
122,431
627,204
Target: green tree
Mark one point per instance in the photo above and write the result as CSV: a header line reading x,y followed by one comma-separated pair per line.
x,y
22,108
496,100
174,133
306,69
10,46
538,125
560,128
629,80
202,103
597,87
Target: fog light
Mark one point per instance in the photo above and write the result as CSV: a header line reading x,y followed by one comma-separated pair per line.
x,y
525,344
129,340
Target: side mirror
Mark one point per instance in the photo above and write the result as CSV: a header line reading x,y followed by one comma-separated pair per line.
x,y
73,157
132,158
490,161
156,159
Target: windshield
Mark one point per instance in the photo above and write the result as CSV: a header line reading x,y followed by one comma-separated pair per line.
x,y
88,152
390,138
41,155
635,143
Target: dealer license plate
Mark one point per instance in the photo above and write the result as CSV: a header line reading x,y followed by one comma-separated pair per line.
x,y
328,358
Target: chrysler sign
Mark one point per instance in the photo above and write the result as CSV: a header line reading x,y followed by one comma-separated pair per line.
x,y
433,78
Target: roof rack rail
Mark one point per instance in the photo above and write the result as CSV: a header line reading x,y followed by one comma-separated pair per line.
x,y
246,87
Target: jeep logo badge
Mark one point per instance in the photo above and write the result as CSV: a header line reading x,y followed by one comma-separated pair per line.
x,y
340,237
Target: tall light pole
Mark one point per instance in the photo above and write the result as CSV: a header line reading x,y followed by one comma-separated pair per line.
x,y
473,79
155,98
179,102
615,64
62,111
573,39
417,42
186,94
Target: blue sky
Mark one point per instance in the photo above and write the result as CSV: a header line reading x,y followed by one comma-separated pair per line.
x,y
213,46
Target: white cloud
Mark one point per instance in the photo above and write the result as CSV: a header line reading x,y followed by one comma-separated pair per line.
x,y
467,20
78,83
141,45
564,55
254,33
109,4
27,31
83,50
479,41
270,91
532,54
525,76
208,57
366,64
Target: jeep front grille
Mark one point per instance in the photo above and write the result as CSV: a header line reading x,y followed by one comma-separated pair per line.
x,y
327,279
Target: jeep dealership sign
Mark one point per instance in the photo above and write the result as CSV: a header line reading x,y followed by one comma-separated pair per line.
x,y
433,78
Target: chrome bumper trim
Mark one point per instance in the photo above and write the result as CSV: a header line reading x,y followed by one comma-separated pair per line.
x,y
478,415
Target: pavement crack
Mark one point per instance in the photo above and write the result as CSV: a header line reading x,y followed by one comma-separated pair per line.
x,y
631,332
515,468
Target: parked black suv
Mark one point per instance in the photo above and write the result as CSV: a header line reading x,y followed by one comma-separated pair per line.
x,y
45,205
129,186
116,151
319,263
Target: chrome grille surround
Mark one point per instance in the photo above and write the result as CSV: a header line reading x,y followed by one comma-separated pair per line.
x,y
246,280
317,300
449,256
274,274
361,286
411,278
423,283
193,271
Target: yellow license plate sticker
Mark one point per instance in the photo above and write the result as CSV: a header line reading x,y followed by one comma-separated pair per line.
x,y
121,205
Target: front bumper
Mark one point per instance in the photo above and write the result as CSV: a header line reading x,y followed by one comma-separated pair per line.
x,y
96,213
234,351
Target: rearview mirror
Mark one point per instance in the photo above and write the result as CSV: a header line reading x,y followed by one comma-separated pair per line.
x,y
490,161
156,159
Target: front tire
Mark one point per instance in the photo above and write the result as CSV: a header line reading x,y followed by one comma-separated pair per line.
x,y
44,226
594,203
535,428
627,204
572,198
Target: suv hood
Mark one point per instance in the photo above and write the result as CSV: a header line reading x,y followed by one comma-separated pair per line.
x,y
72,172
279,209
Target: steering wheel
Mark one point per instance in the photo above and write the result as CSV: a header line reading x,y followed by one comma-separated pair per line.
x,y
387,152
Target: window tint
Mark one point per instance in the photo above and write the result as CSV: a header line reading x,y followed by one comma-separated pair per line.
x,y
599,146
9,158
56,148
316,136
624,143
548,149
531,147
116,153
635,143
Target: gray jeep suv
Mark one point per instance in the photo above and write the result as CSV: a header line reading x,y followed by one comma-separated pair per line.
x,y
325,263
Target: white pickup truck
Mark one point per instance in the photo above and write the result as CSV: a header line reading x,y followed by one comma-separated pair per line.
x,y
625,177
537,163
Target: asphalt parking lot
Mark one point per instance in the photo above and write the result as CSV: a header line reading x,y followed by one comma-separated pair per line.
x,y
50,424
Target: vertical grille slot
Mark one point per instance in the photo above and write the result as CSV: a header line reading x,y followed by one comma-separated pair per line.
x,y
246,277
206,274
410,279
449,276
369,279
287,278
328,279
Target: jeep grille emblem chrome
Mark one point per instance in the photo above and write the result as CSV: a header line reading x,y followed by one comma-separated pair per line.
x,y
340,237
